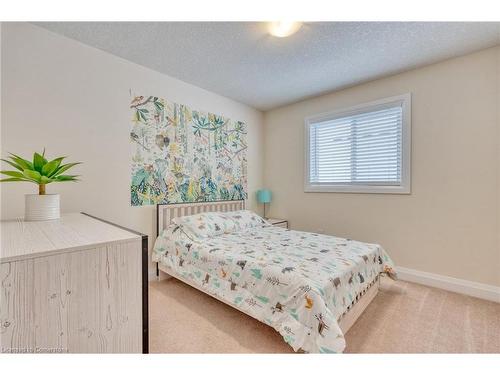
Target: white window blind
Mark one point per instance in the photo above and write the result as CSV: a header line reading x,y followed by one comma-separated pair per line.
x,y
364,147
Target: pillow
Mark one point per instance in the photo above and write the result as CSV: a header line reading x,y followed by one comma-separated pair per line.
x,y
205,225
244,219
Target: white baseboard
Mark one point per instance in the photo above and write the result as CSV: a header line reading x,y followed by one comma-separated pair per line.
x,y
470,288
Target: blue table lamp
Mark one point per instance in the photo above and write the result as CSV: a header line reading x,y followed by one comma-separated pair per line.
x,y
264,196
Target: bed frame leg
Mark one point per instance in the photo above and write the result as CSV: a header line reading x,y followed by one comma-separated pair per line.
x,y
163,275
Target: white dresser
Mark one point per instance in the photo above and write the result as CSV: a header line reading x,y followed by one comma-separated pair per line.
x,y
75,285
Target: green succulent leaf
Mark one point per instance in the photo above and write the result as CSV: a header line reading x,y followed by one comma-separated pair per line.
x,y
25,164
46,180
38,161
49,168
63,168
13,174
32,175
17,166
66,177
12,179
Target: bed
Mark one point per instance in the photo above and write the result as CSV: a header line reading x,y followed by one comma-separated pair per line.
x,y
309,287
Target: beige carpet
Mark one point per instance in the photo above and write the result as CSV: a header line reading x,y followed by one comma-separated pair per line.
x,y
403,318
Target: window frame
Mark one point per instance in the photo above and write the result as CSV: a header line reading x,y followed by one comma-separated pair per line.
x,y
403,188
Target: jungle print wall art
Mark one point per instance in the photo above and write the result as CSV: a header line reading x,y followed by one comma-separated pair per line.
x,y
183,155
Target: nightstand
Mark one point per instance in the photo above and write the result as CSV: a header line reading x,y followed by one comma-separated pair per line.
x,y
278,222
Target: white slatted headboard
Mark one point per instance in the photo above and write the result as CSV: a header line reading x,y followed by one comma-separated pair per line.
x,y
166,212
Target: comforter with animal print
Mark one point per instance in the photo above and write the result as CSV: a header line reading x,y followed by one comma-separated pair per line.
x,y
299,283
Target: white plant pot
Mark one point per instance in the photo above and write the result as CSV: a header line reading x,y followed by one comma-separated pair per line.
x,y
41,207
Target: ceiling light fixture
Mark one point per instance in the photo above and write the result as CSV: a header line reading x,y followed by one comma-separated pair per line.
x,y
283,29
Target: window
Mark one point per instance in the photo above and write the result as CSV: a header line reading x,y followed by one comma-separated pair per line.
x,y
364,149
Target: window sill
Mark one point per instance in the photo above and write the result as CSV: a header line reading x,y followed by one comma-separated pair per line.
x,y
366,189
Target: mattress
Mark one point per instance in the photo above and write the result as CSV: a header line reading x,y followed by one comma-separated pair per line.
x,y
299,283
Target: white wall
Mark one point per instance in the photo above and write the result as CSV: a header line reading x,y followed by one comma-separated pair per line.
x,y
449,225
74,100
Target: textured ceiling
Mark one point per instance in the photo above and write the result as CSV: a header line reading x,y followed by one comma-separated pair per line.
x,y
242,61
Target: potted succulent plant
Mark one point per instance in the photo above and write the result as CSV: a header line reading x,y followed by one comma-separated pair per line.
x,y
40,171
